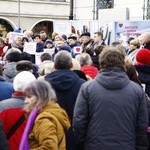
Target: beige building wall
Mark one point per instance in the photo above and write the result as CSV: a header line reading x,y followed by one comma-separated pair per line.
x,y
32,11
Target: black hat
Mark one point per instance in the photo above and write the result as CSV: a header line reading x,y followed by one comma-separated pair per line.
x,y
72,37
86,34
48,42
24,65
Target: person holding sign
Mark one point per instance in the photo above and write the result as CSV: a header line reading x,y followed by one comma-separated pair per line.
x,y
75,46
39,46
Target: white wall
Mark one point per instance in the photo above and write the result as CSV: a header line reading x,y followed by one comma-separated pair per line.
x,y
83,9
135,7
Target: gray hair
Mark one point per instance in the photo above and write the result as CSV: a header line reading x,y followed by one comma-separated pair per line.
x,y
42,90
84,59
63,60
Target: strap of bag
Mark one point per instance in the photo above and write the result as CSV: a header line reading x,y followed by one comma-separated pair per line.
x,y
15,127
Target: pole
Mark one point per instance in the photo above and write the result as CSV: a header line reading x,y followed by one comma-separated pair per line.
x,y
71,10
93,9
97,8
19,13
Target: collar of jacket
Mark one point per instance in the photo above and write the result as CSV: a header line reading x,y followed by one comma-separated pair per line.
x,y
18,94
2,79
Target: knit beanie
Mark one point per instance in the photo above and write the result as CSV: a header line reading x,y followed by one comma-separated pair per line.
x,y
22,79
143,56
65,47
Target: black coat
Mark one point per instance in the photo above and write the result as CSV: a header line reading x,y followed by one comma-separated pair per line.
x,y
144,76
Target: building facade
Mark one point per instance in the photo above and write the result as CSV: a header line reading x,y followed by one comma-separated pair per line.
x,y
37,15
32,14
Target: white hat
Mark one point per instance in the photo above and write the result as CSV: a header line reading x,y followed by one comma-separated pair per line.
x,y
22,79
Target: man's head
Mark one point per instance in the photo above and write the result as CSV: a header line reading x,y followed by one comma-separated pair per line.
x,y
72,40
144,38
112,57
63,60
98,37
37,38
85,37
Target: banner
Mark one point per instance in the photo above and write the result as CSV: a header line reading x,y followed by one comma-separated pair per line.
x,y
126,29
62,27
30,47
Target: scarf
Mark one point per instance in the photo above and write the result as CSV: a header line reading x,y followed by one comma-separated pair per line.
x,y
24,144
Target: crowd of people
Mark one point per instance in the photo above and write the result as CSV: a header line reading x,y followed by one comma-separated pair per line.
x,y
86,95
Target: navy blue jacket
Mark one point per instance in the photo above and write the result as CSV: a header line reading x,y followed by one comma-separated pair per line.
x,y
66,83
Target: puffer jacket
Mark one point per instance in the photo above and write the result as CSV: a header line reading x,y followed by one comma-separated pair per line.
x,y
9,117
111,113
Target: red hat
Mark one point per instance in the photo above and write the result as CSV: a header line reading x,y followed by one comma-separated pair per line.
x,y
143,56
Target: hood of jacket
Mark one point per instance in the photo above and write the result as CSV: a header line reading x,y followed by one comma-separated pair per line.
x,y
9,70
54,110
62,79
113,78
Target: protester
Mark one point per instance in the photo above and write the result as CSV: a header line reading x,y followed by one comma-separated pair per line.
x,y
98,39
144,40
134,46
47,121
143,68
17,100
86,65
87,43
111,110
73,43
66,84
9,70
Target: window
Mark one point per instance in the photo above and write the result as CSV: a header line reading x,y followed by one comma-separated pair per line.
x,y
105,4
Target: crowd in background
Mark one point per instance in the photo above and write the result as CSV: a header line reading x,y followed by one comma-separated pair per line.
x,y
85,95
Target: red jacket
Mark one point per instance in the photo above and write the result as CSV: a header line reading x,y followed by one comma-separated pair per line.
x,y
9,117
90,70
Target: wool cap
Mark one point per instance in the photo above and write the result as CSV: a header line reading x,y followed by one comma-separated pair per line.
x,y
143,56
86,34
22,79
18,30
65,47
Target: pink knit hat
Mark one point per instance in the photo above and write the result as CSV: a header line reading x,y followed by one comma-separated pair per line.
x,y
143,56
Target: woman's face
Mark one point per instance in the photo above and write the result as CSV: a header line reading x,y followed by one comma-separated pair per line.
x,y
30,102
